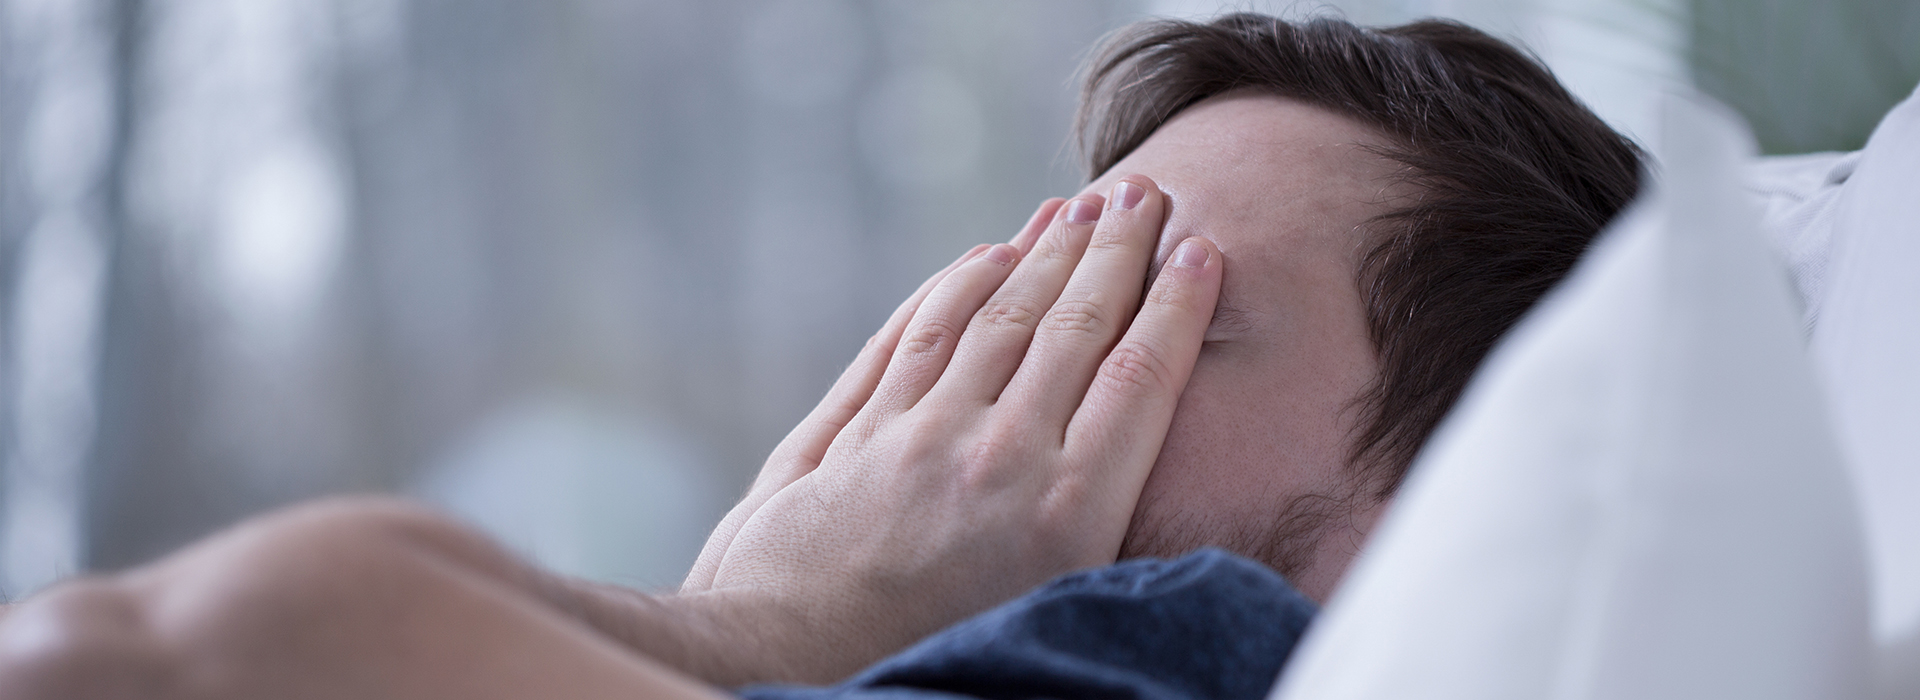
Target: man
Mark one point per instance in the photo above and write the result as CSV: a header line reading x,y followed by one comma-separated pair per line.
x,y
1390,277
1389,203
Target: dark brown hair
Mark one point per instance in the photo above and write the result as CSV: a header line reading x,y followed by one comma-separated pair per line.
x,y
1515,177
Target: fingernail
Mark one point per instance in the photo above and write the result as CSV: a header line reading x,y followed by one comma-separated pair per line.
x,y
1190,254
1001,254
1081,211
1126,195
1037,223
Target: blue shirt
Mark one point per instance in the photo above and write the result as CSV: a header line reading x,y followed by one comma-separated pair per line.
x,y
1209,625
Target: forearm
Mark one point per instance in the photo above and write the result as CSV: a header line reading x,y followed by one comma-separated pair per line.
x,y
683,632
731,637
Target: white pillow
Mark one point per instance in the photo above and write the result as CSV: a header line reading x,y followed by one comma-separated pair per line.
x,y
1867,344
1796,195
1638,498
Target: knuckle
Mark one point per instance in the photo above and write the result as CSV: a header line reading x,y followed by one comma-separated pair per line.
x,y
1171,294
1077,316
913,436
857,433
1055,250
1114,239
1060,507
924,437
990,453
1136,370
992,462
928,336
1004,314
1013,431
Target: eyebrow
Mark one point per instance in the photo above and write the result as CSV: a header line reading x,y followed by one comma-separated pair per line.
x,y
1227,316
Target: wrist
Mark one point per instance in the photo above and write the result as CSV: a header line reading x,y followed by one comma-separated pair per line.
x,y
744,635
730,637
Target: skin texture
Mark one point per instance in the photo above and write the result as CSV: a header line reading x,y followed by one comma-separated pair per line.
x,y
1256,459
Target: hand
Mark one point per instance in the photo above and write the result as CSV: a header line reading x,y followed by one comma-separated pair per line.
x,y
803,448
984,462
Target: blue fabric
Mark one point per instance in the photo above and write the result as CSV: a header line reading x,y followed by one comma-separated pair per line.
x,y
1209,625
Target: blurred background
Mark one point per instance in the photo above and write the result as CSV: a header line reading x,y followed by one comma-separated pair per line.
x,y
571,268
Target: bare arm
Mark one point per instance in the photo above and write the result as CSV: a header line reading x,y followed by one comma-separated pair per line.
x,y
359,598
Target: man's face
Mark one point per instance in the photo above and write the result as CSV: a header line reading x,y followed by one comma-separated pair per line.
x,y
1256,459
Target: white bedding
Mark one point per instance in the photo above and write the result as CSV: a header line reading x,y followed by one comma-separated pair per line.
x,y
1639,497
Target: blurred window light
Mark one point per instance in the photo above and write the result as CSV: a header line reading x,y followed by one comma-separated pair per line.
x,y
58,285
581,490
232,164
280,231
56,345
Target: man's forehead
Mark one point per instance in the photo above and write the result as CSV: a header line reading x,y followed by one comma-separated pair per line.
x,y
1252,130
1273,182
1251,159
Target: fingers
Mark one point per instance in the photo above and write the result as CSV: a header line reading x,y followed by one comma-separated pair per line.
x,y
803,448
1037,225
1079,328
855,386
997,337
851,391
928,342
1129,406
